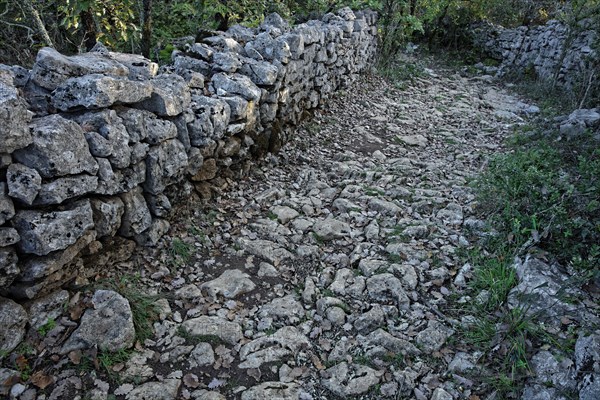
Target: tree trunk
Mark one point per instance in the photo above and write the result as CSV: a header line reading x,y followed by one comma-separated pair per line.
x,y
146,27
39,24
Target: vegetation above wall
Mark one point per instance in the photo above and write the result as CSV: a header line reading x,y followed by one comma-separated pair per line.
x,y
151,26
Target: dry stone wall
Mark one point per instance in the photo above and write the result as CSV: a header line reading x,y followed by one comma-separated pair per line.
x,y
548,51
93,147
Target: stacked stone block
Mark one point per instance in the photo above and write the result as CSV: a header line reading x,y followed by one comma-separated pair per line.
x,y
93,146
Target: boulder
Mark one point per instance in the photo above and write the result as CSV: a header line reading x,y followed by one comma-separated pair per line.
x,y
8,266
13,319
43,232
235,84
59,148
108,325
107,213
8,236
36,268
98,91
14,117
7,208
136,218
61,189
24,183
230,284
52,68
170,96
164,164
229,332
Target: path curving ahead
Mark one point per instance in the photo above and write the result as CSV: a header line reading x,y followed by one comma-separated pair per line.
x,y
324,274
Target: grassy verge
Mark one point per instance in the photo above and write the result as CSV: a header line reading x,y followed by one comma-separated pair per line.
x,y
542,196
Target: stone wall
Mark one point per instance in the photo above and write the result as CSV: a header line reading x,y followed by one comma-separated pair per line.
x,y
94,147
546,51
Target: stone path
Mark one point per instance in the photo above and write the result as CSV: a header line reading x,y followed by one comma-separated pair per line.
x,y
325,273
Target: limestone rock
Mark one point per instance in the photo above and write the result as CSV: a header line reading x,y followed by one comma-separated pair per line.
x,y
98,91
136,218
8,237
59,148
8,266
330,228
212,118
44,232
230,284
152,235
272,390
235,84
386,286
202,355
24,183
13,319
434,336
265,249
165,390
14,117
61,189
285,308
346,380
7,208
165,163
38,267
227,331
47,308
170,96
285,342
109,325
52,68
107,213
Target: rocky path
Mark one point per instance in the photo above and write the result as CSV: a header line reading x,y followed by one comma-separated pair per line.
x,y
326,272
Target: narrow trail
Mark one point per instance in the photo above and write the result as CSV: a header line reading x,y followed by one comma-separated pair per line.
x,y
325,273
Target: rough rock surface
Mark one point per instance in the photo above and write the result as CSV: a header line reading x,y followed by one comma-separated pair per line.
x,y
109,325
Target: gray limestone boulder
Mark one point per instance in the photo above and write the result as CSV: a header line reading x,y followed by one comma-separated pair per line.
x,y
24,183
212,118
273,390
330,228
229,332
541,290
152,235
183,63
47,308
7,207
13,319
235,84
434,336
165,164
109,325
226,62
170,96
139,67
107,213
261,73
230,284
52,68
99,91
113,181
8,236
287,341
384,287
9,269
59,148
144,125
346,380
14,117
164,390
43,232
61,189
36,268
136,218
